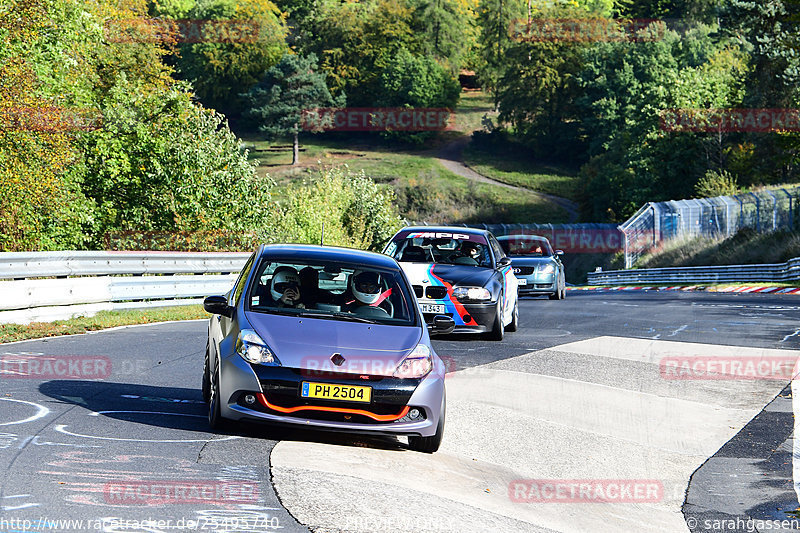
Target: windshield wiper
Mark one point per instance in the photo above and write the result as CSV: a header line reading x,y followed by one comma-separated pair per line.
x,y
354,318
320,314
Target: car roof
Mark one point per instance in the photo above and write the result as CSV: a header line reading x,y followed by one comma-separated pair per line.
x,y
447,229
328,253
523,237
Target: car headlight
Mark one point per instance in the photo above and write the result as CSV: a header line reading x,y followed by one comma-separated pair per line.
x,y
417,364
471,293
547,269
254,350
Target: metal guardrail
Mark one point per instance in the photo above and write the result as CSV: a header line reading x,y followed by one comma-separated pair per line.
x,y
57,285
23,265
781,272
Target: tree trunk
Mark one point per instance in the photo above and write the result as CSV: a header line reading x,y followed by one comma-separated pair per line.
x,y
295,148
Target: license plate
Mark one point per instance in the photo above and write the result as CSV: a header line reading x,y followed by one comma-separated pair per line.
x,y
332,391
521,281
436,309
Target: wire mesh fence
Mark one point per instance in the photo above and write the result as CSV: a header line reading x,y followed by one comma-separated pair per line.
x,y
659,222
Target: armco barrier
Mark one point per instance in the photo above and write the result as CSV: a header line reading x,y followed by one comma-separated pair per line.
x,y
782,272
57,285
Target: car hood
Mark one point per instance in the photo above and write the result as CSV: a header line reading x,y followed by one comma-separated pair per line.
x,y
531,261
456,275
309,343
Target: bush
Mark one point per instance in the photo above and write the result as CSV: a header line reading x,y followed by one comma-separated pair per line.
x,y
420,82
716,184
356,212
163,163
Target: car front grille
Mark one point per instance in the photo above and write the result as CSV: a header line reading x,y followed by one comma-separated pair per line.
x,y
524,271
418,290
436,293
289,401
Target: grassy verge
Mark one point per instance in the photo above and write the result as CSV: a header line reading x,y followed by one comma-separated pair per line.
x,y
102,320
516,169
747,247
425,190
472,107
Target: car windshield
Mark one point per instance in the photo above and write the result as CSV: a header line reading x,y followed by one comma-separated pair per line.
x,y
331,290
515,246
447,248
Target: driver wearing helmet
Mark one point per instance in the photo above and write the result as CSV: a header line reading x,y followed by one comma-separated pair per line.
x,y
285,288
367,290
469,250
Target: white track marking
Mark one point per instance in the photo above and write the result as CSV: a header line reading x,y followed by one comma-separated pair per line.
x,y
62,428
41,412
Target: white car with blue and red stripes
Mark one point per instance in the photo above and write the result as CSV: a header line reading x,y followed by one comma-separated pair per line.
x,y
461,273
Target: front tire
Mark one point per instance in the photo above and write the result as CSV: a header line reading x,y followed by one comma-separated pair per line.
x,y
514,324
206,384
215,419
497,329
432,443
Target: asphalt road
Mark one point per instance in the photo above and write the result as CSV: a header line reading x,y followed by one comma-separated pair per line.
x,y
577,394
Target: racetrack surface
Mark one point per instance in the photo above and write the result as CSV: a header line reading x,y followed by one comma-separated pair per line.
x,y
576,394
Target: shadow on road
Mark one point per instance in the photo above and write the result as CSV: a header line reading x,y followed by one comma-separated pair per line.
x,y
158,406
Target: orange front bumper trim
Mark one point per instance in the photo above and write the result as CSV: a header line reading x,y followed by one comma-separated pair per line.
x,y
288,410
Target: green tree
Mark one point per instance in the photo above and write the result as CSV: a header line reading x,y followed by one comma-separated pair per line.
x,y
494,19
163,163
220,70
354,41
448,29
686,10
769,31
626,86
417,81
292,87
537,96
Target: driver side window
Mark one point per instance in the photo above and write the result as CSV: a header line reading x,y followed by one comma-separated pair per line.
x,y
242,281
497,250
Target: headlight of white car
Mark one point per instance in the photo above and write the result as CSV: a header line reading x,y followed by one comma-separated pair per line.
x,y
547,269
471,293
254,350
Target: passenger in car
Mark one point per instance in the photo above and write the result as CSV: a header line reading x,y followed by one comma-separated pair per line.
x,y
285,288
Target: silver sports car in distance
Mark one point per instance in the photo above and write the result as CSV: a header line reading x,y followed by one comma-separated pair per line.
x,y
538,269
325,338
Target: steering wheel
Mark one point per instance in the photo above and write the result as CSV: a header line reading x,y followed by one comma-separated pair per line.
x,y
387,306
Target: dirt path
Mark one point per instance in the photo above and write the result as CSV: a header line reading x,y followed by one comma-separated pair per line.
x,y
451,156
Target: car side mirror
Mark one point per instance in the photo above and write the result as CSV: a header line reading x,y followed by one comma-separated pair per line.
x,y
559,252
218,305
442,324
504,262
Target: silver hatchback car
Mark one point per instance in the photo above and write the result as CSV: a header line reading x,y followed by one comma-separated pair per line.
x,y
325,338
538,268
